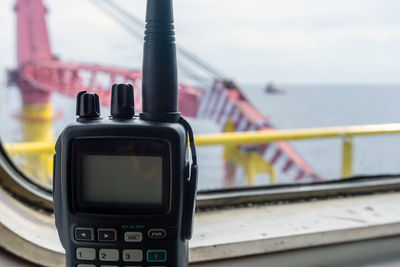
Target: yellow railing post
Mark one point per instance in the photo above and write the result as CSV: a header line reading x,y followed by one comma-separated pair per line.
x,y
37,126
229,155
250,169
347,156
253,164
272,173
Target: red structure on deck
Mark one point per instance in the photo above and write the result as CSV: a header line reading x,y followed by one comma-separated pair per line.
x,y
39,75
33,46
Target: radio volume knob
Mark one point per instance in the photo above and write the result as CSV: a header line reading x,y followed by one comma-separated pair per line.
x,y
87,105
122,101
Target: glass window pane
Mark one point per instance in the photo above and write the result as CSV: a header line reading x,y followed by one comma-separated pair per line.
x,y
296,64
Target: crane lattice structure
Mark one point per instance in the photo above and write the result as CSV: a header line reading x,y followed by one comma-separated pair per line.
x,y
39,74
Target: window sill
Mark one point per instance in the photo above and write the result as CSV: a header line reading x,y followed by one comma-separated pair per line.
x,y
228,233
265,229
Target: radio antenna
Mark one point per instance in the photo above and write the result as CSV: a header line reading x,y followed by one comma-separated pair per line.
x,y
159,81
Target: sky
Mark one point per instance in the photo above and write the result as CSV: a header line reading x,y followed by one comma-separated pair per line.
x,y
251,41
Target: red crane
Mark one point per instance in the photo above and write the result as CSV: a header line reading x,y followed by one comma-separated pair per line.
x,y
39,75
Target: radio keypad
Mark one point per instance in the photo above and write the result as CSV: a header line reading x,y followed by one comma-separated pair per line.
x,y
133,237
106,235
109,254
84,234
86,254
157,233
132,255
157,255
114,255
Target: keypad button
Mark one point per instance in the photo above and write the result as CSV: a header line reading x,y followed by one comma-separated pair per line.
x,y
157,255
85,265
109,254
133,237
84,234
132,255
157,233
106,235
85,254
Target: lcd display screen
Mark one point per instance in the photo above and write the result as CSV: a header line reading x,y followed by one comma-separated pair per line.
x,y
117,179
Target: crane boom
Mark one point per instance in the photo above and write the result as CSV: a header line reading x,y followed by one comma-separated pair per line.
x,y
39,75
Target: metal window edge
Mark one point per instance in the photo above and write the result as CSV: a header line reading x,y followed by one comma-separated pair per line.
x,y
29,251
13,181
28,233
297,192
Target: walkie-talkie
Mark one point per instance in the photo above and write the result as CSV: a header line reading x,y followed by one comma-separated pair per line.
x,y
124,189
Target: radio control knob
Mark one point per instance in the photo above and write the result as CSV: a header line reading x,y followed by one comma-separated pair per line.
x,y
122,101
87,105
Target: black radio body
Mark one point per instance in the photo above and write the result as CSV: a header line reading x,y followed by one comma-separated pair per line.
x,y
121,188
124,191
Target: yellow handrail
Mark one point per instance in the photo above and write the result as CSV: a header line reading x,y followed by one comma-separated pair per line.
x,y
257,137
30,148
261,137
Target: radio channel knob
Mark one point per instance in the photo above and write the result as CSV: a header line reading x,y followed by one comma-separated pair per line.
x,y
87,105
122,101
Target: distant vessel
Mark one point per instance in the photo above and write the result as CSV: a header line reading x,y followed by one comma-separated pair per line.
x,y
271,89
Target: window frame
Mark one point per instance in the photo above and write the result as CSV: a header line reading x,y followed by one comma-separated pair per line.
x,y
13,180
30,206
